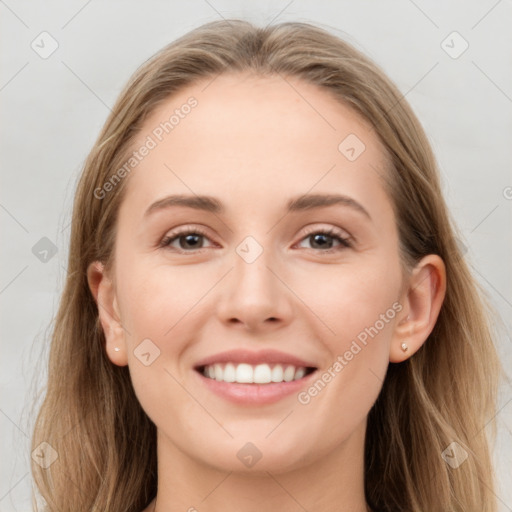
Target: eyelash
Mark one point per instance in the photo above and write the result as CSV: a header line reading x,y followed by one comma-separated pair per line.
x,y
331,232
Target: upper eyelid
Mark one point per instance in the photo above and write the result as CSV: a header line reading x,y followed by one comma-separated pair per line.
x,y
204,231
334,231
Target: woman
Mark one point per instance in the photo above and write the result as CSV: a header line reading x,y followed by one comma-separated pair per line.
x,y
266,306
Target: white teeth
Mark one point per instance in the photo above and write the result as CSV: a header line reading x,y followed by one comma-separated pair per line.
x,y
277,373
217,369
299,373
244,373
289,373
262,374
248,374
229,373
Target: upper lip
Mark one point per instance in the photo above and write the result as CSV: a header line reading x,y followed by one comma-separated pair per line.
x,y
252,357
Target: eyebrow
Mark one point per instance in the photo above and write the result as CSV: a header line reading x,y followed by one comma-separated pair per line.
x,y
213,205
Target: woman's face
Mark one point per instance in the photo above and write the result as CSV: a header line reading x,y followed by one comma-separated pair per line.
x,y
264,270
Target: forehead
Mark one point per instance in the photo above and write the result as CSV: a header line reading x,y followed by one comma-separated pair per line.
x,y
257,136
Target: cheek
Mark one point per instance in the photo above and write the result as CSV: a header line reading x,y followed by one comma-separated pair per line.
x,y
155,298
361,309
157,306
349,299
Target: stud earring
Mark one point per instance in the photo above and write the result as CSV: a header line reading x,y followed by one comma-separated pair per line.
x,y
117,349
405,348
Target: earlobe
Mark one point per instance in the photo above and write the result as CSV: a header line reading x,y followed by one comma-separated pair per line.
x,y
103,291
422,302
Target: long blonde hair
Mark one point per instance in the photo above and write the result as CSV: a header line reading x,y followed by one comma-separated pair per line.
x,y
444,393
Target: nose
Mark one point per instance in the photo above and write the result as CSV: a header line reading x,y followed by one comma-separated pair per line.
x,y
254,296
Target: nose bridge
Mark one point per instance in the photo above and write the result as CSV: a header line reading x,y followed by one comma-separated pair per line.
x,y
253,293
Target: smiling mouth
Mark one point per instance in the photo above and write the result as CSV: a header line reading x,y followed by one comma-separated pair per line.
x,y
243,373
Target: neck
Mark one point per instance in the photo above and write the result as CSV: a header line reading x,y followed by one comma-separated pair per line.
x,y
333,482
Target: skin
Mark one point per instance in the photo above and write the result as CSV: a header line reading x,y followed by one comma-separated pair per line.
x,y
254,143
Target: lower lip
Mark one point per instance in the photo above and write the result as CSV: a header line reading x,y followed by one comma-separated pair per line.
x,y
255,394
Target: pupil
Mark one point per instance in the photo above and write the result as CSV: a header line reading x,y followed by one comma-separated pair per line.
x,y
191,240
322,239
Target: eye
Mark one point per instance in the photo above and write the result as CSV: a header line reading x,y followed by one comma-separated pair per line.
x,y
324,239
187,240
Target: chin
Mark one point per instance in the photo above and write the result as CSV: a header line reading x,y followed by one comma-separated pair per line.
x,y
253,454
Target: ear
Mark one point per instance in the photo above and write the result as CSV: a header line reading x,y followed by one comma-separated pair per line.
x,y
104,293
422,300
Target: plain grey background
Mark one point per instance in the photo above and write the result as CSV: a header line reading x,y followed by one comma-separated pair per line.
x,y
53,106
